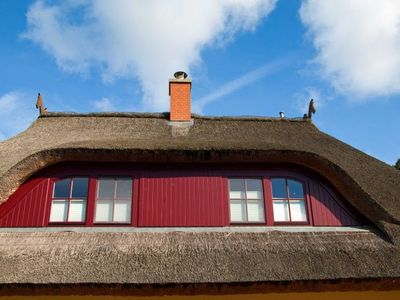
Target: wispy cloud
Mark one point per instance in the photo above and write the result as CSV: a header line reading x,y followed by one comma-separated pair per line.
x,y
146,40
240,82
104,104
16,113
357,43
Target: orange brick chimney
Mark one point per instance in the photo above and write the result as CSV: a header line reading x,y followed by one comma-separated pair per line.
x,y
179,91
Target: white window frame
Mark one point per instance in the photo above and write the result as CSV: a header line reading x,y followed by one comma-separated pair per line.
x,y
245,200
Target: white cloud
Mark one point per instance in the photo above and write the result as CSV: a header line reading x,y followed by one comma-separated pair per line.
x,y
148,40
17,112
357,43
104,104
240,82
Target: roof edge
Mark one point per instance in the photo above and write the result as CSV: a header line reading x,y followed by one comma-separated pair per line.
x,y
210,288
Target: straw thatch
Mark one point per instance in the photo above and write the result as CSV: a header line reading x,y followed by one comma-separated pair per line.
x,y
194,257
63,258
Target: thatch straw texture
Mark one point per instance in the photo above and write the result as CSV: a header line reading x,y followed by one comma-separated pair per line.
x,y
188,257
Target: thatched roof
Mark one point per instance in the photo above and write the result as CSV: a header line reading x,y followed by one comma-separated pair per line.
x,y
370,185
194,257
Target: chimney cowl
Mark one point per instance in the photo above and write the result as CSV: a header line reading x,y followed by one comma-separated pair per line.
x,y
180,75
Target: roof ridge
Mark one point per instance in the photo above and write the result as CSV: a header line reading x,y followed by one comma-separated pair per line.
x,y
165,115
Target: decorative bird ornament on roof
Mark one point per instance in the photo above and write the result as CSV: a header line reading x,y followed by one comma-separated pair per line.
x,y
311,110
40,106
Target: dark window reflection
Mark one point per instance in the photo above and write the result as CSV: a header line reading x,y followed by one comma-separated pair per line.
x,y
295,189
80,187
279,188
106,188
61,188
124,188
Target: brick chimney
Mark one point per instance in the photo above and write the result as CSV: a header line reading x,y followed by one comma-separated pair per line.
x,y
179,91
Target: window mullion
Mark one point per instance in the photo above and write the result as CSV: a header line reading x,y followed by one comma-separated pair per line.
x,y
245,201
114,199
91,200
288,200
69,199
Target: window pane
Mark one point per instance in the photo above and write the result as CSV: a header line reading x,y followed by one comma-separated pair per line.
x,y
278,188
59,211
106,188
238,211
281,211
254,188
298,211
80,187
61,188
122,211
255,211
295,189
236,188
104,210
124,188
77,211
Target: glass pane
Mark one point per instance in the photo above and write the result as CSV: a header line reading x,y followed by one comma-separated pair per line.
x,y
238,211
59,210
255,211
295,189
106,188
236,189
77,211
124,188
122,211
281,211
298,210
61,188
80,187
278,188
104,210
254,189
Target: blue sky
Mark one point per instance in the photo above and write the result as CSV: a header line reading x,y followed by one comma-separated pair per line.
x,y
250,57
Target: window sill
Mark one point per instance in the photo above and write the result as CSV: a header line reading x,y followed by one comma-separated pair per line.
x,y
112,224
247,223
228,229
292,224
67,224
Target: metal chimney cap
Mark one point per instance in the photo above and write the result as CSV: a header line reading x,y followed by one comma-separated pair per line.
x,y
180,75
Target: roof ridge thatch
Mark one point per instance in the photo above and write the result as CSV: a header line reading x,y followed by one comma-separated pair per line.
x,y
165,115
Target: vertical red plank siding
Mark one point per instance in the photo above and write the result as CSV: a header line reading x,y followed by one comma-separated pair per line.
x,y
190,200
328,209
189,197
26,207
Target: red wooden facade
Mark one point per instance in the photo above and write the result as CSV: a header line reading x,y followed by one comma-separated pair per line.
x,y
176,196
189,200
